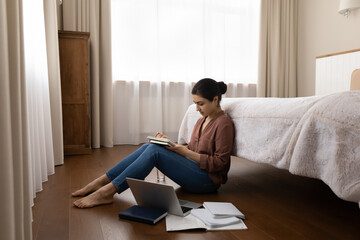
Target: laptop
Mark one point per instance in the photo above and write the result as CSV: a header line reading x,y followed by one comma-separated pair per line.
x,y
162,196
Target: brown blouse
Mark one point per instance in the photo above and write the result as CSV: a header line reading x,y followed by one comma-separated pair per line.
x,y
214,145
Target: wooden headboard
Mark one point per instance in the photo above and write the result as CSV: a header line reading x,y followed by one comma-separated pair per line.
x,y
355,80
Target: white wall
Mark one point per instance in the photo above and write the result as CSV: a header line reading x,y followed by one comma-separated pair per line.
x,y
322,30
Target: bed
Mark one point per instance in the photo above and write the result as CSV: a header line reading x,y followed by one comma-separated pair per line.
x,y
316,136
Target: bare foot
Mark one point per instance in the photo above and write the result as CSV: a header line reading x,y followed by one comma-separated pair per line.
x,y
92,187
102,196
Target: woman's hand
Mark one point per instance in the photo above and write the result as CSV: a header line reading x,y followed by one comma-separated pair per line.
x,y
178,148
184,151
160,135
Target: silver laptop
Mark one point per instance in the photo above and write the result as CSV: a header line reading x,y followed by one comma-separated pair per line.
x,y
162,196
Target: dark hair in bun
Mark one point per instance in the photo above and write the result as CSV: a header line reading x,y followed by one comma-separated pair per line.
x,y
209,88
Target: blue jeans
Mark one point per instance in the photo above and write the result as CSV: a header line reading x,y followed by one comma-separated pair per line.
x,y
182,170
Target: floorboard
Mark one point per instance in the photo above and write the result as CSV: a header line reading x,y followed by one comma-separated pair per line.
x,y
277,205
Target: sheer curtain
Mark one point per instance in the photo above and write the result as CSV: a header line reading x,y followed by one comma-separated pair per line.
x,y
15,201
52,50
161,47
26,142
41,150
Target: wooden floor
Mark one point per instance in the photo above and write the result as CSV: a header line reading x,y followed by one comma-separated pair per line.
x,y
277,205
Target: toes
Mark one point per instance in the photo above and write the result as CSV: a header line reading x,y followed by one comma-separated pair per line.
x,y
76,193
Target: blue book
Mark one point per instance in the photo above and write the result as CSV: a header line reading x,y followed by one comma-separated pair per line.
x,y
143,214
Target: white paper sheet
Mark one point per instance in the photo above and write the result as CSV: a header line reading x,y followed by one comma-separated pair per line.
x,y
176,223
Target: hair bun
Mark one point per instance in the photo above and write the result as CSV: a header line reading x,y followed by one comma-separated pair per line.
x,y
222,87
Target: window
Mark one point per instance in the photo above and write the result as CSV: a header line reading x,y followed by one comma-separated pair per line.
x,y
185,40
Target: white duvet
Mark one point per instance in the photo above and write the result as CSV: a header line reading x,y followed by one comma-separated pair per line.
x,y
316,136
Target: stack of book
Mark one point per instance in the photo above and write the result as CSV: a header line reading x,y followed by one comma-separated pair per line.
x,y
214,216
218,214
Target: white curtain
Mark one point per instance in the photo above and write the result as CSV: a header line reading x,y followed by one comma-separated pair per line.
x,y
52,49
15,200
26,141
143,108
41,150
161,47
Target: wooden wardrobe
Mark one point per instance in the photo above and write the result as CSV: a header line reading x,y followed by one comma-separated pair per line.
x,y
75,88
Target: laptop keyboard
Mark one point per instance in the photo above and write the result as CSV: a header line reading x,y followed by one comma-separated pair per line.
x,y
185,209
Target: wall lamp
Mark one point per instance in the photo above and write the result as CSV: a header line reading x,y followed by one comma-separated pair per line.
x,y
347,5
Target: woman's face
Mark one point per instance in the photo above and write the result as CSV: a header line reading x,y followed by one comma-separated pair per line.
x,y
204,106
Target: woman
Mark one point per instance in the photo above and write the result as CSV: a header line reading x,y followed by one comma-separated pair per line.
x,y
200,167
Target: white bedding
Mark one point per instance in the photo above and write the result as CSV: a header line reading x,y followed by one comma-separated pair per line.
x,y
316,136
